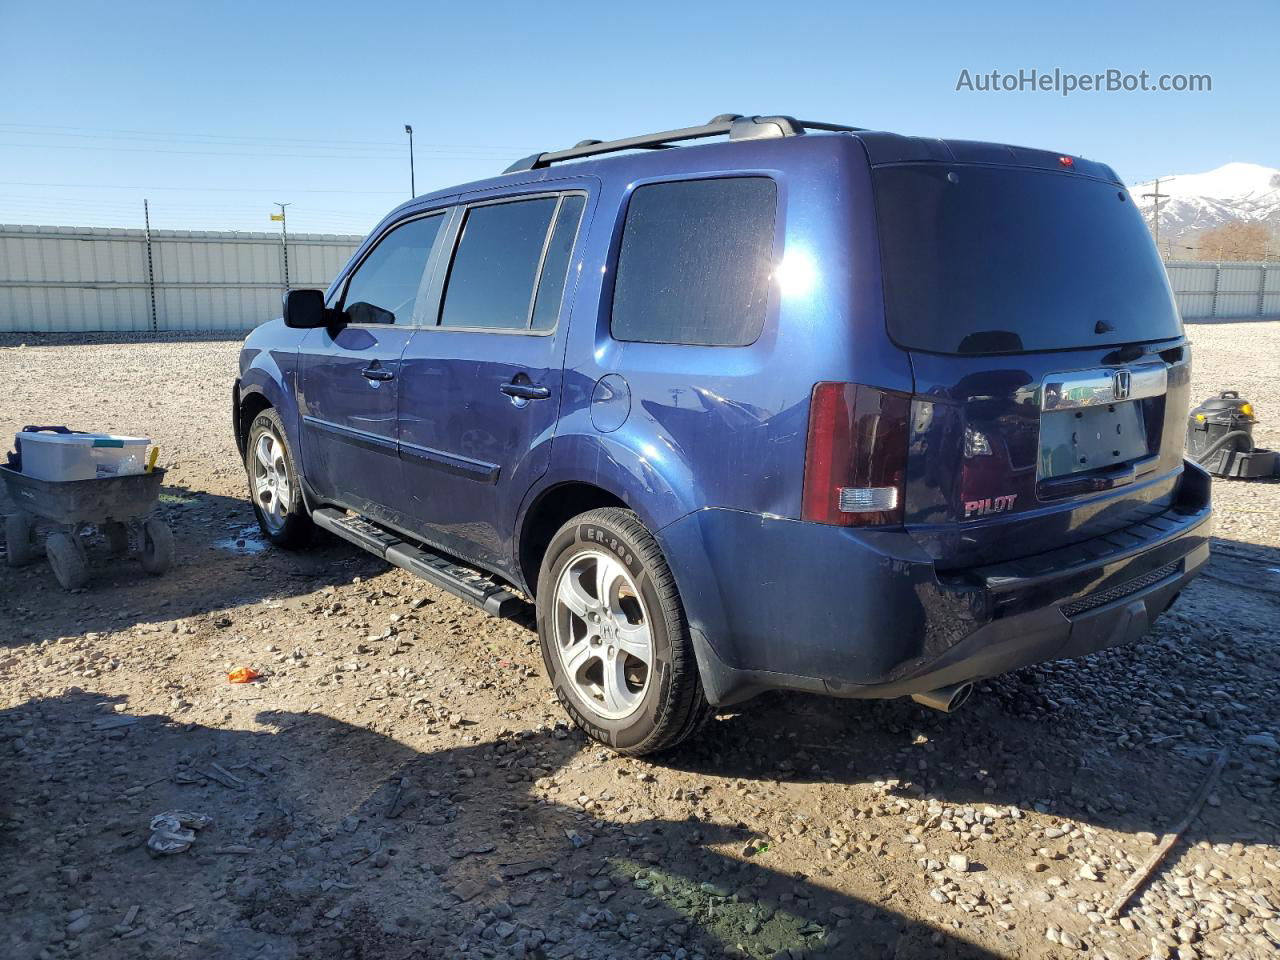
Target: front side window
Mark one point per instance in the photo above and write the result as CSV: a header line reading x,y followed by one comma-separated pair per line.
x,y
384,288
695,262
500,248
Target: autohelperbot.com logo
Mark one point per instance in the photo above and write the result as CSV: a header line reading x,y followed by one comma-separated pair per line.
x,y
1065,82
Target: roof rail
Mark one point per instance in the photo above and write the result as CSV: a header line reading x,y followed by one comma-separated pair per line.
x,y
735,125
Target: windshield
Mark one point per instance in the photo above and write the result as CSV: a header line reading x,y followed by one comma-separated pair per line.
x,y
1005,260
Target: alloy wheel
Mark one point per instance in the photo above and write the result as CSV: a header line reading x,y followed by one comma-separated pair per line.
x,y
271,482
602,634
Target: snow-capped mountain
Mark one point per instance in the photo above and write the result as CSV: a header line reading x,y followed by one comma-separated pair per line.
x,y
1194,202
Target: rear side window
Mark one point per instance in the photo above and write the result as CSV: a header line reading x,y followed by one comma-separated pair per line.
x,y
492,278
555,266
695,262
384,288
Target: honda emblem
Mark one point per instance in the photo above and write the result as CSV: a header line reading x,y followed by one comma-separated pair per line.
x,y
1121,383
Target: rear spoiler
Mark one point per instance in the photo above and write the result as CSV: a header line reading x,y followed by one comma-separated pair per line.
x,y
887,148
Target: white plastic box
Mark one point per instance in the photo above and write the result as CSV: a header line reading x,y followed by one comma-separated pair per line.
x,y
81,456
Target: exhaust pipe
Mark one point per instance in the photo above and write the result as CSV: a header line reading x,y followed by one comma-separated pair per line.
x,y
947,699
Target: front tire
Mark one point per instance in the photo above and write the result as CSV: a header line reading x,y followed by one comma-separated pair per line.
x,y
614,637
274,485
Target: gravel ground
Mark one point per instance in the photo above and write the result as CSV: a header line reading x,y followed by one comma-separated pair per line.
x,y
401,784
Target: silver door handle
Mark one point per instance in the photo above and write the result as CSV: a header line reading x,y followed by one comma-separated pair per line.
x,y
525,391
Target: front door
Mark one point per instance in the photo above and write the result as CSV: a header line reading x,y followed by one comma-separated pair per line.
x,y
481,381
349,375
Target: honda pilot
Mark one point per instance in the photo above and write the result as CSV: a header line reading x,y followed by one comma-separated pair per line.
x,y
757,404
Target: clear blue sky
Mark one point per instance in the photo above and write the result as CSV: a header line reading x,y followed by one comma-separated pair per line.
x,y
215,109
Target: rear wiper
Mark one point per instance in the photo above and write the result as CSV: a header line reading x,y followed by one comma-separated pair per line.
x,y
1125,354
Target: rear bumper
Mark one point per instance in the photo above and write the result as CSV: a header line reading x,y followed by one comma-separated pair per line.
x,y
781,604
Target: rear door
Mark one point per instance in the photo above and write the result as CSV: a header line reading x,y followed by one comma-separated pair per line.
x,y
481,379
349,374
1050,369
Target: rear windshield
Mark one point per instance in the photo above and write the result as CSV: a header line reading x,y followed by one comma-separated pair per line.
x,y
1002,260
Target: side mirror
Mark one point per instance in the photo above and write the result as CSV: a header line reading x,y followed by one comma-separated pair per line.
x,y
304,309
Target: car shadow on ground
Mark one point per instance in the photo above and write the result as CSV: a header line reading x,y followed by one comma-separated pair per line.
x,y
370,848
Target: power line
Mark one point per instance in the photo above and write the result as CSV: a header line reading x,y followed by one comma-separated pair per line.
x,y
183,208
228,153
437,150
105,132
122,186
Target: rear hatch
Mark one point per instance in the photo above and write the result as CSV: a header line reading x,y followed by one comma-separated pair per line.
x,y
1050,368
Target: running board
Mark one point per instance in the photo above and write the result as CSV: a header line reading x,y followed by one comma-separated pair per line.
x,y
462,581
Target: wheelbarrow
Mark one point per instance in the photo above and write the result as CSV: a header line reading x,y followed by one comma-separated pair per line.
x,y
119,507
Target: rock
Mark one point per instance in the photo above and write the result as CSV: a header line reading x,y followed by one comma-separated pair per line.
x,y
1088,873
467,890
1262,740
1036,866
79,925
958,862
1070,940
246,888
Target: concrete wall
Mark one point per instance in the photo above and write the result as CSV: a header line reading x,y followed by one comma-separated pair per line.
x,y
94,278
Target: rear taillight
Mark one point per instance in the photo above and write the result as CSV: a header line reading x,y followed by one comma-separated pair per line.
x,y
856,458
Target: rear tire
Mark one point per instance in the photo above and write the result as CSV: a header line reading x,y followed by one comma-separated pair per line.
x,y
68,560
607,601
20,540
274,485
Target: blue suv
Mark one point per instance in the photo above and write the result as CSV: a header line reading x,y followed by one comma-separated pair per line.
x,y
806,407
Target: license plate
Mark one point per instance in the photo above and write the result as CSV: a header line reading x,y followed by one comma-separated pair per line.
x,y
1076,441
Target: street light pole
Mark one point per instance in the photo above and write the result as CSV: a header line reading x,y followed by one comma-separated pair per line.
x,y
413,192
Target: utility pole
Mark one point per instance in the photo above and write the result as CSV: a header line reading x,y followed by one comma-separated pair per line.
x,y
284,240
413,192
1155,209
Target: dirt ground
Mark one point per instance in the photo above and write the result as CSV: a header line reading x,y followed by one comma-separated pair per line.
x,y
401,783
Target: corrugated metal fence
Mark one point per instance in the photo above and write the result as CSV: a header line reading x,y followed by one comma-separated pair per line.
x,y
94,278
1227,290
